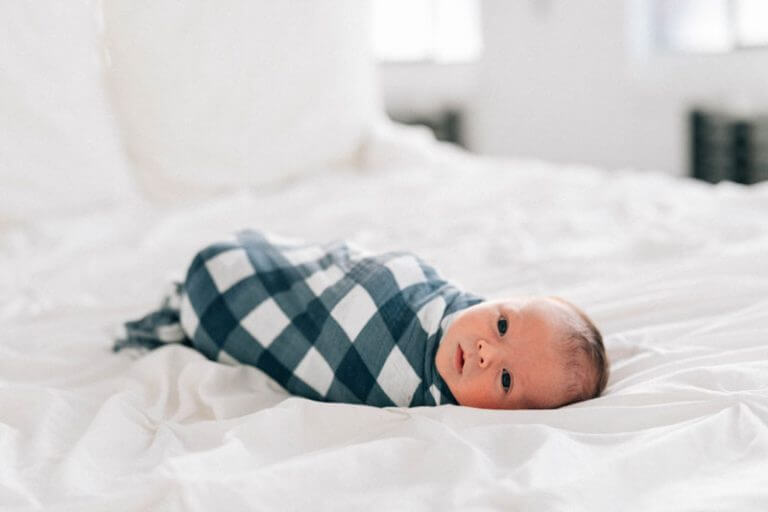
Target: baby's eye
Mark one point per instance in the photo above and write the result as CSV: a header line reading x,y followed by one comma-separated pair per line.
x,y
502,325
506,380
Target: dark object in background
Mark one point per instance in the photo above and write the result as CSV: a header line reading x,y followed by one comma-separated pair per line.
x,y
728,147
446,124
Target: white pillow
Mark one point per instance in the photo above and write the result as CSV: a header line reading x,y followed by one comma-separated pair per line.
x,y
218,95
59,147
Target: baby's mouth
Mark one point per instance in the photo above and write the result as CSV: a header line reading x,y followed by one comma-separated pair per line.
x,y
459,359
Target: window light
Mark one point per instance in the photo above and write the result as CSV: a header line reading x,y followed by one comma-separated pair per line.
x,y
426,30
710,26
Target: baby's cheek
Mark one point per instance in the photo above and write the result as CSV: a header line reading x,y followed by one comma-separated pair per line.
x,y
474,396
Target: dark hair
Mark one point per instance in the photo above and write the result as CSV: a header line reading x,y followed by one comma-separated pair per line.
x,y
585,342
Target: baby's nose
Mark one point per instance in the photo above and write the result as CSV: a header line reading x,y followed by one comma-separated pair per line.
x,y
485,353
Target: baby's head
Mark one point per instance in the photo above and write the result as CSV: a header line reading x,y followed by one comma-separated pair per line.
x,y
522,353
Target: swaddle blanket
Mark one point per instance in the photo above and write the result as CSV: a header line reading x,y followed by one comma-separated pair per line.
x,y
327,322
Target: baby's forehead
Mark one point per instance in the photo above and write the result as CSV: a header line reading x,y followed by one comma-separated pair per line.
x,y
556,311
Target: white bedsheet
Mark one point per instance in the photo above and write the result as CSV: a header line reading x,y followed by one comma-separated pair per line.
x,y
674,272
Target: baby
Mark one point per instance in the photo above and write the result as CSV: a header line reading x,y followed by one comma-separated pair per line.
x,y
522,353
331,322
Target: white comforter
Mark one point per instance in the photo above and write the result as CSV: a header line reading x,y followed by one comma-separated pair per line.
x,y
675,272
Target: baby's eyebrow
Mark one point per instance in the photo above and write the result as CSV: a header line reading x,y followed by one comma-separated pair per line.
x,y
514,305
508,311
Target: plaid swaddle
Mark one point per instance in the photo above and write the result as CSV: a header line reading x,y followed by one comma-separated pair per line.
x,y
327,322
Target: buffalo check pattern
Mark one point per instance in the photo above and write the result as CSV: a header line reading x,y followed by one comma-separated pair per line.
x,y
328,322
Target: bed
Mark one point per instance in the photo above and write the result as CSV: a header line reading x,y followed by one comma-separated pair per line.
x,y
93,226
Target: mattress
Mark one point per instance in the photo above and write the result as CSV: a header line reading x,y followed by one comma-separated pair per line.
x,y
673,271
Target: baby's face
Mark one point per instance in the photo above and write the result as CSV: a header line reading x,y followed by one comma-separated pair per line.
x,y
507,354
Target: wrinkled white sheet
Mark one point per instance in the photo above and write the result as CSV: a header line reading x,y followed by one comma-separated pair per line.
x,y
675,272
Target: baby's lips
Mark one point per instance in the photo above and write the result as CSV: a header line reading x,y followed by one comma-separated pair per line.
x,y
458,359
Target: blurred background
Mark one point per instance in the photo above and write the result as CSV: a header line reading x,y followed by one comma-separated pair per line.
x,y
679,86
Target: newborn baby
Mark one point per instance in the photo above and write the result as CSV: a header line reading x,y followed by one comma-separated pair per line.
x,y
331,322
522,353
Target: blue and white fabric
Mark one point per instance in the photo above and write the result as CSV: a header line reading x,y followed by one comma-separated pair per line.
x,y
327,322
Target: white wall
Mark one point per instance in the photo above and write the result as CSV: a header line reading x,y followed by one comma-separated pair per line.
x,y
571,81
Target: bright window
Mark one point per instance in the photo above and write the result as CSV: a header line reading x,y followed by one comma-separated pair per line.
x,y
710,26
427,30
751,23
